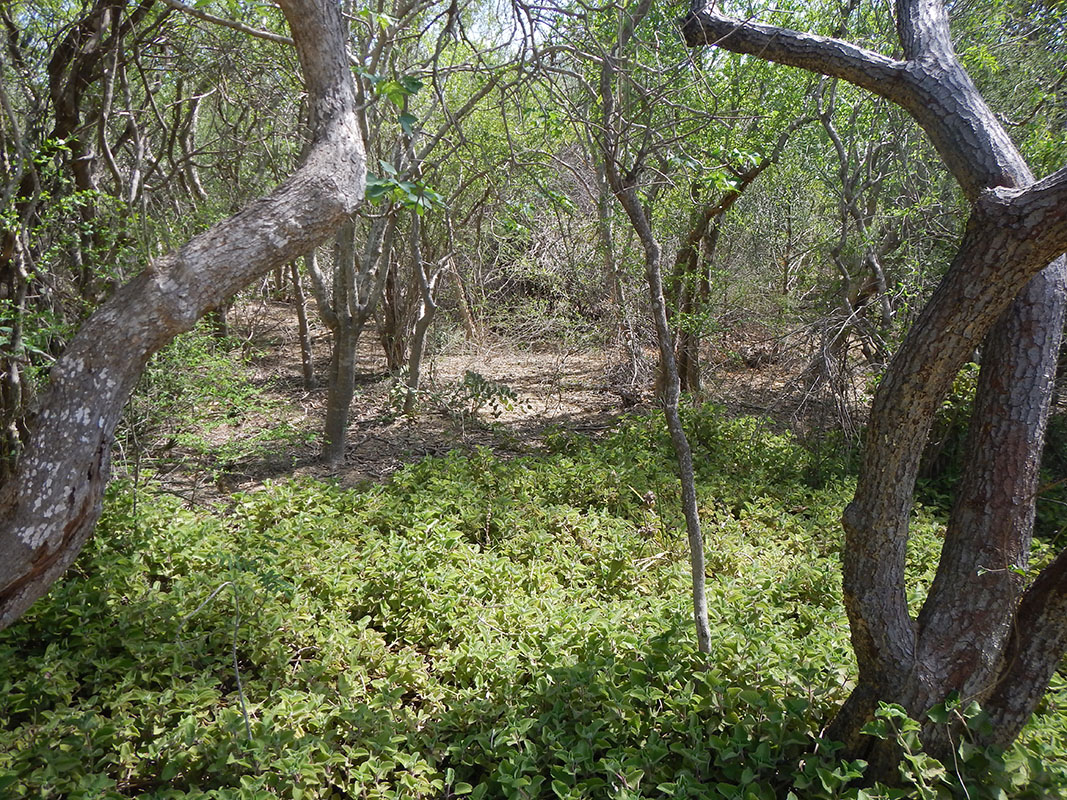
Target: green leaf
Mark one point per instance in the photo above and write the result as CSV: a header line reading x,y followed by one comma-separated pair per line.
x,y
938,714
411,84
407,123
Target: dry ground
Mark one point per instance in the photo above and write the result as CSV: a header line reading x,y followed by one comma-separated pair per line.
x,y
558,387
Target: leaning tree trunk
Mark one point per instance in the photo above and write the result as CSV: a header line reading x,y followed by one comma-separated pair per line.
x,y
974,634
49,508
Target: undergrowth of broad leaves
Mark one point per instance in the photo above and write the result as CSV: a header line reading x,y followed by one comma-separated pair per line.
x,y
474,627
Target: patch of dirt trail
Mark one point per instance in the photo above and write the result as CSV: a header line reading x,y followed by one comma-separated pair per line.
x,y
556,387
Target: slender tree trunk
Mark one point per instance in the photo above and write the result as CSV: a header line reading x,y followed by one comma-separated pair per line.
x,y
671,394
307,362
339,397
346,330
345,310
470,328
616,286
427,311
391,327
691,282
626,194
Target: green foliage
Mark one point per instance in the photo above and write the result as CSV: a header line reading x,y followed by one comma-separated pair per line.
x,y
195,388
1051,519
413,195
976,773
476,393
475,627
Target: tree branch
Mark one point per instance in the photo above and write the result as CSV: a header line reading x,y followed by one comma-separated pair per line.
x,y
49,508
227,23
840,59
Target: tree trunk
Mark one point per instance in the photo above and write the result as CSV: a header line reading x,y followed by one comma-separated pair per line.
x,y
307,362
342,387
391,328
626,193
345,309
691,283
427,311
971,636
347,326
470,328
49,507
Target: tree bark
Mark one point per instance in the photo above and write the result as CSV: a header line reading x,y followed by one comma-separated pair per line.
x,y
345,310
470,327
1016,228
342,385
49,507
427,283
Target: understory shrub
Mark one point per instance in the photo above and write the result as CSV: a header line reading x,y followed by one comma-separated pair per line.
x,y
474,627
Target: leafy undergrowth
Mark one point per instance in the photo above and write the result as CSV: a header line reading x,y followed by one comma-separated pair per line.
x,y
474,627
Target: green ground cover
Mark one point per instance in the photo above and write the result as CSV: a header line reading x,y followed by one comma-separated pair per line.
x,y
473,627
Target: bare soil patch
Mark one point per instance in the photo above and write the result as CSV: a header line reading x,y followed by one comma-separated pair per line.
x,y
558,387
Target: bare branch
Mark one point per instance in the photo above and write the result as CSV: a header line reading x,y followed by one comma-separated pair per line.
x,y
227,23
840,59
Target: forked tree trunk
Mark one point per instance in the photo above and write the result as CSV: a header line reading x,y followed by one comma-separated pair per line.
x,y
49,507
427,283
353,295
690,280
975,634
347,325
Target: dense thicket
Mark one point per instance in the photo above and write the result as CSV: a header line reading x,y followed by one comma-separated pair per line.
x,y
572,177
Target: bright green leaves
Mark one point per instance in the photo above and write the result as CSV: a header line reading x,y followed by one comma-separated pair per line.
x,y
391,186
475,627
395,90
398,90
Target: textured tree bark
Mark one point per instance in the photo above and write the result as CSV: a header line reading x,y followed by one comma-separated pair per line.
x,y
969,636
345,309
342,384
49,507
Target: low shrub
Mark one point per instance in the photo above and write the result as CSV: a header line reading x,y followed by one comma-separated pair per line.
x,y
474,627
